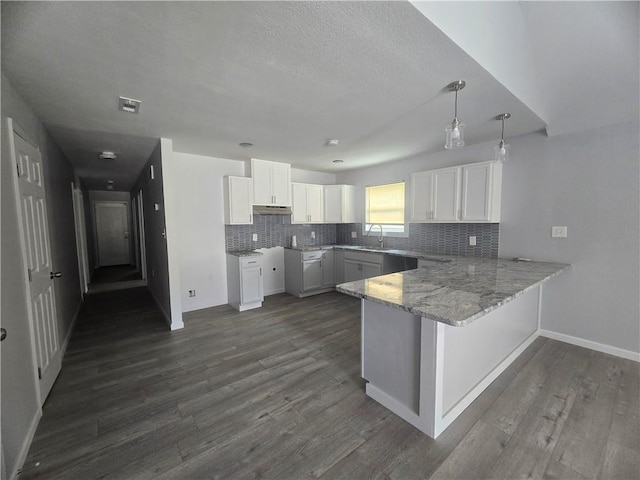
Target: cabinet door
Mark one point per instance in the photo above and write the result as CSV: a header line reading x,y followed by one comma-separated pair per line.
x,y
332,203
261,175
251,284
352,271
281,183
371,270
348,204
446,194
421,196
311,274
328,269
314,203
239,201
476,193
338,263
299,205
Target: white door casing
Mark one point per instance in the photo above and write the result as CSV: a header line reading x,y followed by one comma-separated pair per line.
x,y
36,249
112,233
81,238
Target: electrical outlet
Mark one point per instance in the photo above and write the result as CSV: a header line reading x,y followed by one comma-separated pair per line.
x,y
254,237
559,232
472,240
192,293
313,234
354,235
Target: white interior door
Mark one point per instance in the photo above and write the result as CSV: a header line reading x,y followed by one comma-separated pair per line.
x,y
141,236
37,259
112,233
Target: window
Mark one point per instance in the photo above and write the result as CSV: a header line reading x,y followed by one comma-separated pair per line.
x,y
385,206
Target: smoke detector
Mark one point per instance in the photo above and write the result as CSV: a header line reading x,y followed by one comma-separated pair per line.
x,y
129,105
331,143
107,156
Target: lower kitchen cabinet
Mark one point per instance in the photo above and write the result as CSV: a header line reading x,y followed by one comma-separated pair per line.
x,y
361,265
308,272
244,282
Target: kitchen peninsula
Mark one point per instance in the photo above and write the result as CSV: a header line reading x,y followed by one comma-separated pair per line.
x,y
435,337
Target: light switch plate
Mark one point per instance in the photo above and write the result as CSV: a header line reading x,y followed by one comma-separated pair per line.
x,y
559,232
472,240
354,235
254,237
313,234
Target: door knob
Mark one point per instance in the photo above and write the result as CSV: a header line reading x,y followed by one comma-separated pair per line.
x,y
3,334
55,274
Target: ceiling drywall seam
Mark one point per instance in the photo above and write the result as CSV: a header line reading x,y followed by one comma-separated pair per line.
x,y
495,35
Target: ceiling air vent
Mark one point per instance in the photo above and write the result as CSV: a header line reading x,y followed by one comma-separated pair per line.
x,y
129,105
107,156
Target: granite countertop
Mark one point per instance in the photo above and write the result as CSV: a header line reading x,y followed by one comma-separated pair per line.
x,y
455,292
244,253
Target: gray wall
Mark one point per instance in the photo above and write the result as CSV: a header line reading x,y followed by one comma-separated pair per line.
x,y
587,181
58,176
154,226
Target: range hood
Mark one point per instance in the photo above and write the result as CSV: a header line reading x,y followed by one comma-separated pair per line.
x,y
271,210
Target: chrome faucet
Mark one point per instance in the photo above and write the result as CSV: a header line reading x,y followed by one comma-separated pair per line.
x,y
380,239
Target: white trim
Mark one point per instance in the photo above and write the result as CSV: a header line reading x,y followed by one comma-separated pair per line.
x,y
598,347
65,344
26,445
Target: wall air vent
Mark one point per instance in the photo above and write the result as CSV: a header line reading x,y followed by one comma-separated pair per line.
x,y
129,105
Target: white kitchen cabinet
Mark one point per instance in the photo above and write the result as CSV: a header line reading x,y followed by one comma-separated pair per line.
x,y
464,194
271,182
481,192
307,205
339,203
238,201
244,282
358,270
308,272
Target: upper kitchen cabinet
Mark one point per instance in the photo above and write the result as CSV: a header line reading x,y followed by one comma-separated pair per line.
x,y
271,182
435,195
307,203
481,192
339,203
464,194
238,200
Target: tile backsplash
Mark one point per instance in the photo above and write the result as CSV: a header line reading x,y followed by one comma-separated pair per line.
x,y
442,238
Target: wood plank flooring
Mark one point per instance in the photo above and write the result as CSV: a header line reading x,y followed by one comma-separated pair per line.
x,y
276,393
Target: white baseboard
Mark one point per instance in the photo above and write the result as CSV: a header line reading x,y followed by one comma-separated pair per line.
x,y
167,317
65,344
24,450
598,347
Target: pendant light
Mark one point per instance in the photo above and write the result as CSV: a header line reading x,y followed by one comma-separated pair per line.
x,y
502,149
455,138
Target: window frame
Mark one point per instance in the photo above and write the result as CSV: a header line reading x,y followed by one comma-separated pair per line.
x,y
388,230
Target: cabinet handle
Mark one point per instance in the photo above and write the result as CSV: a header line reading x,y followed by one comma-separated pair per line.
x,y
260,271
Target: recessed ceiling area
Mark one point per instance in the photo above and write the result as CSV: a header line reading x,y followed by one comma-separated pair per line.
x,y
283,76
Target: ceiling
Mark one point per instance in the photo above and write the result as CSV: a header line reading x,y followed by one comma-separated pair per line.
x,y
287,76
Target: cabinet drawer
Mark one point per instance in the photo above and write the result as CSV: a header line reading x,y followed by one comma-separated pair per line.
x,y
312,255
249,261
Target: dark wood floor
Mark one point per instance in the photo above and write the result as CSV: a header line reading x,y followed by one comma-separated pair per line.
x,y
276,393
115,273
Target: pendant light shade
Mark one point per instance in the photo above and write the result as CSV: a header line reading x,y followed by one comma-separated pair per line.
x,y
502,149
455,131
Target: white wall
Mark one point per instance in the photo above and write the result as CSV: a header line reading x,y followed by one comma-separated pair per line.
x,y
587,181
197,181
308,176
